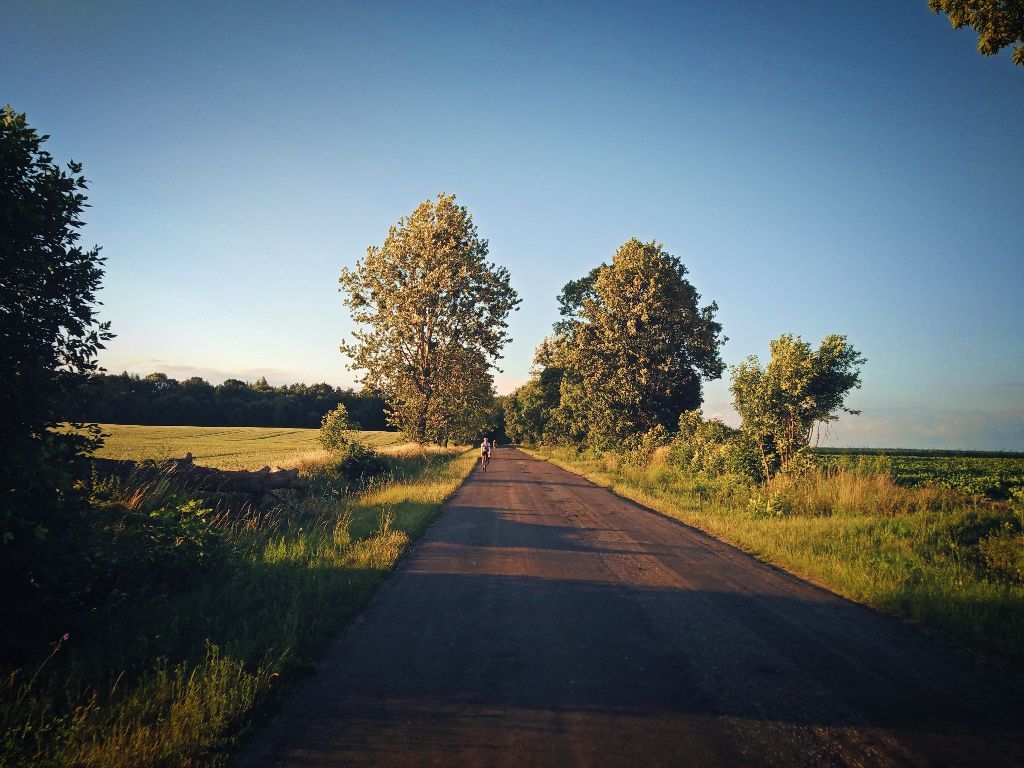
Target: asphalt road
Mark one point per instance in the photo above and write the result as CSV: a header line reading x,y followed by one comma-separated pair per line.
x,y
544,621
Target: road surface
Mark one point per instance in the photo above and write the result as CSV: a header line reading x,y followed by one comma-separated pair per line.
x,y
543,621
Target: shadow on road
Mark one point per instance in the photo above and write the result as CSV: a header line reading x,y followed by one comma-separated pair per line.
x,y
548,622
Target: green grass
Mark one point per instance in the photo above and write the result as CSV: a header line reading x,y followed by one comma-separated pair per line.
x,y
929,553
176,678
227,447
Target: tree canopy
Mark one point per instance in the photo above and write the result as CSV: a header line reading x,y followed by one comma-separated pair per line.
x,y
634,345
49,337
999,23
432,321
800,388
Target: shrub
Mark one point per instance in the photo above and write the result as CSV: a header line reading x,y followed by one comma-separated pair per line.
x,y
711,447
803,464
48,346
969,529
140,542
1003,555
154,549
640,450
359,465
764,506
799,388
334,429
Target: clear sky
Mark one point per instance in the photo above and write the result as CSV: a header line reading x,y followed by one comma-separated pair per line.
x,y
819,167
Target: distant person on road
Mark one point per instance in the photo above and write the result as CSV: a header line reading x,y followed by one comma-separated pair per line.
x,y
485,451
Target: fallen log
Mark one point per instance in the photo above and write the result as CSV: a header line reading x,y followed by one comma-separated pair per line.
x,y
200,478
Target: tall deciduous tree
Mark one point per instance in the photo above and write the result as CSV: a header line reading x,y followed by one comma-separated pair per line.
x,y
999,23
800,388
49,337
432,316
635,344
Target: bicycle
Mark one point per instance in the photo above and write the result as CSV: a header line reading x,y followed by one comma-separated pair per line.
x,y
485,459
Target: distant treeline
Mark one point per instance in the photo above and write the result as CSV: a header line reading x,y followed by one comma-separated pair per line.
x,y
160,400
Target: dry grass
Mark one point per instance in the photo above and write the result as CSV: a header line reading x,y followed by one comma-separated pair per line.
x,y
846,492
408,449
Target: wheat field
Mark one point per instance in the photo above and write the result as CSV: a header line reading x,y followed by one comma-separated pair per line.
x,y
227,447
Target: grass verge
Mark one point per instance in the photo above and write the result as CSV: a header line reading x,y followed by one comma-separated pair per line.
x,y
944,559
166,678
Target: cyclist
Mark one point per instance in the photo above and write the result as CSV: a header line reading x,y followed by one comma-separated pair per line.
x,y
485,453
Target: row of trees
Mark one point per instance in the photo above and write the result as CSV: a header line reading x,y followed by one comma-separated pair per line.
x,y
626,363
159,399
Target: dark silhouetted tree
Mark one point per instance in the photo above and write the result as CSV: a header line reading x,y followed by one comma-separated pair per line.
x,y
49,337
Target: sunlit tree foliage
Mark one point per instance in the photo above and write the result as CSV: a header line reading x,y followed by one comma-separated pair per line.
x,y
634,345
800,389
999,23
432,321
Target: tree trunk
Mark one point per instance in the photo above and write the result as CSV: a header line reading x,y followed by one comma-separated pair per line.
x,y
195,477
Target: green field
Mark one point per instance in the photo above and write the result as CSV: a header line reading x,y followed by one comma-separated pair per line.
x,y
989,475
226,447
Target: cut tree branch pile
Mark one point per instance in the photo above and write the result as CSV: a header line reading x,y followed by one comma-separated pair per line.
x,y
201,478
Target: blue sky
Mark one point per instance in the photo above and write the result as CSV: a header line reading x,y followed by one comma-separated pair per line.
x,y
819,167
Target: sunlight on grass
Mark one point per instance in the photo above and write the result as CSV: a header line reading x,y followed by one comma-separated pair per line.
x,y
230,447
175,680
906,551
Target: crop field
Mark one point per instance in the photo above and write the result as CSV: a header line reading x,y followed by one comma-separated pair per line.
x,y
989,475
226,447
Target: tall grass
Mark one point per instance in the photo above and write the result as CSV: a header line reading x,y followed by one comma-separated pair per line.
x,y
929,553
174,678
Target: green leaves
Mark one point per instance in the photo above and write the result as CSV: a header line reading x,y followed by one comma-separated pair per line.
x,y
49,336
635,345
432,316
799,389
334,429
999,23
